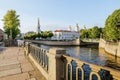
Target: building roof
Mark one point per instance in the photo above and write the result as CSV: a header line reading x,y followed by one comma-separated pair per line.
x,y
64,31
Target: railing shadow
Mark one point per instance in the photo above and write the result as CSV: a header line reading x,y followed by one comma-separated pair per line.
x,y
80,70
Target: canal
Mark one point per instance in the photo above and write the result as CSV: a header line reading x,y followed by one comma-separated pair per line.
x,y
92,55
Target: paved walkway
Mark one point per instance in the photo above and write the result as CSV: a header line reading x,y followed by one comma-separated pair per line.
x,y
15,66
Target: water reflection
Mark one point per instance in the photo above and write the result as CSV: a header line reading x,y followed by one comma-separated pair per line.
x,y
92,55
110,60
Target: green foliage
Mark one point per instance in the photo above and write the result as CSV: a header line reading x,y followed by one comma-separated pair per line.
x,y
11,22
94,32
90,33
45,34
39,35
30,36
111,30
50,34
83,33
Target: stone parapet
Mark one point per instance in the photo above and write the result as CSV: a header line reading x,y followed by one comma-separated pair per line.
x,y
56,65
48,62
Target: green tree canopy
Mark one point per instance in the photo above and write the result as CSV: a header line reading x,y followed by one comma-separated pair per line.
x,y
94,32
91,32
111,31
11,23
45,34
83,33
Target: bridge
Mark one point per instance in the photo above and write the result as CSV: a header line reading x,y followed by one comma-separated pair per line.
x,y
54,64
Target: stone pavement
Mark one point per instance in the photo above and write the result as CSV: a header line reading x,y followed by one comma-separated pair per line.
x,y
14,65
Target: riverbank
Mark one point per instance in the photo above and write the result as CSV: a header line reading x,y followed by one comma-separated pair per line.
x,y
76,42
57,43
111,48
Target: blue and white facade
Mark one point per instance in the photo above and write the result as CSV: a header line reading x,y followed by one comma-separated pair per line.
x,y
65,35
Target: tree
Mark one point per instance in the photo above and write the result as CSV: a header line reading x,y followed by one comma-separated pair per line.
x,y
91,32
94,32
11,24
50,34
46,34
33,35
83,33
111,31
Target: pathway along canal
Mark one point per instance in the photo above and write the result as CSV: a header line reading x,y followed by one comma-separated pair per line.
x,y
92,55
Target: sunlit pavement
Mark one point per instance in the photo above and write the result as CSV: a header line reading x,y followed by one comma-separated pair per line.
x,y
14,65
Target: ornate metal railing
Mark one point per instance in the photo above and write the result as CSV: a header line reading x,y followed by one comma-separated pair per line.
x,y
80,70
40,55
63,67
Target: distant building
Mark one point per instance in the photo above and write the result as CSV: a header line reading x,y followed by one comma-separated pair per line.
x,y
3,36
66,34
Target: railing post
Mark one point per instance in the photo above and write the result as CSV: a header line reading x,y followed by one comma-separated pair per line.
x,y
56,65
27,44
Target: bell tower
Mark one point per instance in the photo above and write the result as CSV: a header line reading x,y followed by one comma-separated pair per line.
x,y
38,27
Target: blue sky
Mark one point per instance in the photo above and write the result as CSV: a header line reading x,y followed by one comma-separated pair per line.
x,y
59,14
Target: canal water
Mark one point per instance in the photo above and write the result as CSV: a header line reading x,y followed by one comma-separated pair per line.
x,y
92,55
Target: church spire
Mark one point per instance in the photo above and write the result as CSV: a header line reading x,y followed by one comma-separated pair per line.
x,y
38,27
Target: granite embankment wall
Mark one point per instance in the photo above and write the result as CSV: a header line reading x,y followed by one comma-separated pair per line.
x,y
57,43
76,42
110,47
